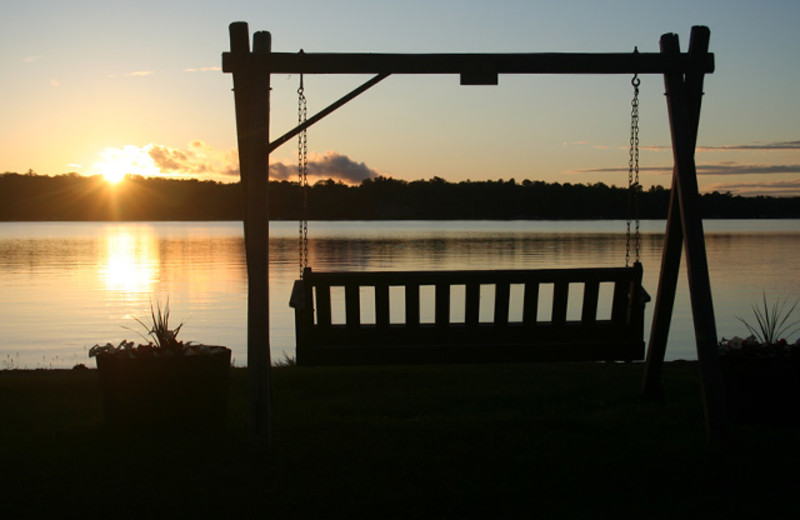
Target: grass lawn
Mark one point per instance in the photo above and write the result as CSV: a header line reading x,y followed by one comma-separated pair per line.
x,y
493,441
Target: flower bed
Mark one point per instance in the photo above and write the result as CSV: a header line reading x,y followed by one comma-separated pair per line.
x,y
164,383
762,381
145,388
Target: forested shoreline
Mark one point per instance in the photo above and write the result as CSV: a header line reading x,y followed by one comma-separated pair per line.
x,y
72,197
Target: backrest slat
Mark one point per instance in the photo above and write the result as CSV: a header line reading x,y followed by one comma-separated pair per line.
x,y
591,292
530,303
619,306
412,304
472,304
502,293
352,305
382,305
323,301
442,304
560,296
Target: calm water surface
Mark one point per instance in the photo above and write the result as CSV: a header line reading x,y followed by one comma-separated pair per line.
x,y
67,286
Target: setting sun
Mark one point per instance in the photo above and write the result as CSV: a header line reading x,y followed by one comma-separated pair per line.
x,y
113,177
116,163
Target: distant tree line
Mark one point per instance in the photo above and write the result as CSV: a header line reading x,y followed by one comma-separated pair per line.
x,y
75,197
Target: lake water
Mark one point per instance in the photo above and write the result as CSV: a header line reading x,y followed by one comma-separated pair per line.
x,y
66,286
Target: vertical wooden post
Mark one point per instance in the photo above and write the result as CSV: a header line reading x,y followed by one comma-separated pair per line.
x,y
251,95
673,239
685,180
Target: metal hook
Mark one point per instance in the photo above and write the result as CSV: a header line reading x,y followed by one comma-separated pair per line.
x,y
300,88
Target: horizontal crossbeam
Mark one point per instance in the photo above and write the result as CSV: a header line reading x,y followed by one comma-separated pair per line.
x,y
535,63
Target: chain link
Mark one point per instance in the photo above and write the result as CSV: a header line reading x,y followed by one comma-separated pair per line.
x,y
633,176
302,175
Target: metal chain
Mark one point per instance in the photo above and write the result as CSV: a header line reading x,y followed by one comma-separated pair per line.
x,y
302,174
633,176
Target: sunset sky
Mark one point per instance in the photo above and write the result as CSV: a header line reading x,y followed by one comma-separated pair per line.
x,y
110,87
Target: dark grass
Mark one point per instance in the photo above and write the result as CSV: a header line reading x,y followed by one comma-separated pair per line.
x,y
498,441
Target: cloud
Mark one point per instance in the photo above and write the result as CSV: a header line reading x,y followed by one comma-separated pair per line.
x,y
774,146
31,59
780,145
55,82
721,168
339,167
171,160
199,159
330,165
788,188
204,69
746,169
134,74
621,170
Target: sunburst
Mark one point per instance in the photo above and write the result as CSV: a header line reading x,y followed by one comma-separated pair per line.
x,y
116,163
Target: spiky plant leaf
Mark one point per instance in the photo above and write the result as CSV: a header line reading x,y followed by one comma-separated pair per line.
x,y
772,321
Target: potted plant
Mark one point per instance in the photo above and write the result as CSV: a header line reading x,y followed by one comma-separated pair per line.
x,y
762,372
164,382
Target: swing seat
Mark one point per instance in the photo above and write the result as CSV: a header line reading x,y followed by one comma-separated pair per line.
x,y
510,334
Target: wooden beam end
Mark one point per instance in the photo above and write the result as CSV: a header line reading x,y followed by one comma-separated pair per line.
x,y
239,36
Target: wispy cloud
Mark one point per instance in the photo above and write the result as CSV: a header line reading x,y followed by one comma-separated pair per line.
x,y
746,169
204,69
31,59
789,188
134,74
620,169
768,147
780,145
721,168
641,147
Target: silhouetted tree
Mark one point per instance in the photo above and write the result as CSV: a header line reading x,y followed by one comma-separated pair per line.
x,y
74,197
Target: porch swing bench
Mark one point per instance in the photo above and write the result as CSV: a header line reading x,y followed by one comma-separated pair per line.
x,y
502,337
462,335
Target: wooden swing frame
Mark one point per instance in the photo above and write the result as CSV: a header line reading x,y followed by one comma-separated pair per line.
x,y
683,78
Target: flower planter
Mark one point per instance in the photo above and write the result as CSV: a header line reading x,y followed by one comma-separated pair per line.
x,y
161,391
762,389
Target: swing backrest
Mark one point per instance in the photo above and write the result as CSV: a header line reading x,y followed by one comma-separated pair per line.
x,y
390,317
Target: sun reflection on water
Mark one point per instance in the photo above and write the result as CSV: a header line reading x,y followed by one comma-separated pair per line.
x,y
131,264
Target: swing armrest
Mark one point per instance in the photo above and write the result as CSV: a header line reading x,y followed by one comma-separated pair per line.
x,y
298,298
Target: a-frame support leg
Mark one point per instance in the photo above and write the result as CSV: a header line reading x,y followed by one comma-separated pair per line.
x,y
673,239
251,95
665,298
683,100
